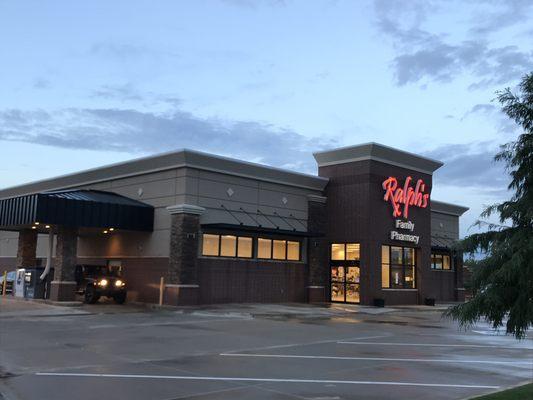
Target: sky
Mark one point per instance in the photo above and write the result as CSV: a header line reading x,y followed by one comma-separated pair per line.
x,y
85,84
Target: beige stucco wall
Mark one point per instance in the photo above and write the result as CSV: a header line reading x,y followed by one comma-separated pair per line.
x,y
182,185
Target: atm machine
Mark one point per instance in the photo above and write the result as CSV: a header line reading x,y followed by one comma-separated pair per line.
x,y
34,287
18,285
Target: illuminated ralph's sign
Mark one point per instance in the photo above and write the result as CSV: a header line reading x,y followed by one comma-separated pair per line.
x,y
406,195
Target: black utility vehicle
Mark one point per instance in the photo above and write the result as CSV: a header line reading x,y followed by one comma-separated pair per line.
x,y
94,281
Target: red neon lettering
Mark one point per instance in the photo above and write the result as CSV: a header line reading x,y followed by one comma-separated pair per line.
x,y
406,195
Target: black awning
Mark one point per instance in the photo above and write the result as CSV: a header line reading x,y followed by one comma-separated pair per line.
x,y
76,208
442,242
260,229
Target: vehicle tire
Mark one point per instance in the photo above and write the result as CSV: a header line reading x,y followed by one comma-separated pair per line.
x,y
91,296
120,298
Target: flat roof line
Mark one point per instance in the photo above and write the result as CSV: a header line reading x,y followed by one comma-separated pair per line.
x,y
378,152
170,160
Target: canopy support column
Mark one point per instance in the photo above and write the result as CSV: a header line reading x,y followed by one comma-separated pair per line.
x,y
27,247
64,285
182,287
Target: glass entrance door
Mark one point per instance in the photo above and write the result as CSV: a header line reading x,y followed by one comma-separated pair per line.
x,y
345,284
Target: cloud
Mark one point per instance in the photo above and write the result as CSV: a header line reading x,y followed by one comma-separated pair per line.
x,y
470,165
145,132
425,55
118,92
501,120
129,93
123,51
254,3
501,15
41,83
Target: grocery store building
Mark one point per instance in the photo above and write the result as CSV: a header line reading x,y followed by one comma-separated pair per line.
x,y
364,230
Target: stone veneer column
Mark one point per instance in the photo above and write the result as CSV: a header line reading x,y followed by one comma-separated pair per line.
x,y
182,287
63,287
27,247
317,250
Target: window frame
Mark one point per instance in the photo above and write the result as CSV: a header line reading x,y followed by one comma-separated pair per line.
x,y
220,245
255,246
405,266
442,254
286,249
344,260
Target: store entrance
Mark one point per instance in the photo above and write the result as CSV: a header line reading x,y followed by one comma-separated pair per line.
x,y
345,283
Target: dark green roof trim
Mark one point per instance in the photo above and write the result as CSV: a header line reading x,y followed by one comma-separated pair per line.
x,y
76,208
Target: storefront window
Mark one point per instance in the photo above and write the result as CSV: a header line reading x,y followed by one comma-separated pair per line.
x,y
278,249
396,255
264,248
245,247
410,277
278,252
441,261
337,251
398,267
210,245
352,251
446,262
228,246
345,251
293,251
385,275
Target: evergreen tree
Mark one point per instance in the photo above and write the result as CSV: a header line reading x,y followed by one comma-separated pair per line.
x,y
503,282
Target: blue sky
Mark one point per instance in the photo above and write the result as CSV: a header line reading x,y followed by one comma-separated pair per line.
x,y
89,83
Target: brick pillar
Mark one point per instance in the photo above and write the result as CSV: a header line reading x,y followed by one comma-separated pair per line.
x,y
27,247
63,287
182,287
317,250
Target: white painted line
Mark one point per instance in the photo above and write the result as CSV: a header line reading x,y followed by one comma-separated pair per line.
x,y
281,346
236,379
496,332
436,360
436,345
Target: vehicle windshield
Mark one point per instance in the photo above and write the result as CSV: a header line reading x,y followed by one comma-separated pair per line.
x,y
101,270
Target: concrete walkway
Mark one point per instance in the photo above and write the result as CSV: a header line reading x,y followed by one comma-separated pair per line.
x,y
12,306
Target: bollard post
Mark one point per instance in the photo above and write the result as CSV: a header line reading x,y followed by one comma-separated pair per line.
x,y
161,290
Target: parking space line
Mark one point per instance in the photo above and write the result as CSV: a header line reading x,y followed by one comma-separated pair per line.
x,y
435,345
281,346
433,360
275,380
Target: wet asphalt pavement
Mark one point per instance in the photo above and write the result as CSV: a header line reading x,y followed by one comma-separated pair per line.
x,y
250,352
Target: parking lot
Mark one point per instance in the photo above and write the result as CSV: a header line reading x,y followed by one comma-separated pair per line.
x,y
250,351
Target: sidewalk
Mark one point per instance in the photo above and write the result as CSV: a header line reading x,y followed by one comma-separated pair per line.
x,y
19,307
12,307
